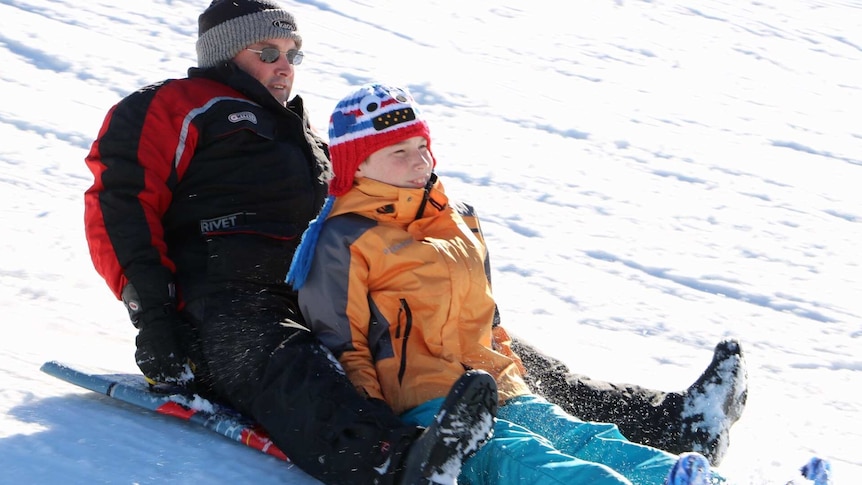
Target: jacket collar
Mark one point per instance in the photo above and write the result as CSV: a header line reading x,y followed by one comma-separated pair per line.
x,y
230,74
384,202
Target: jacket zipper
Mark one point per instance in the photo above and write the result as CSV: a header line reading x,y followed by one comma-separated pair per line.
x,y
405,308
426,194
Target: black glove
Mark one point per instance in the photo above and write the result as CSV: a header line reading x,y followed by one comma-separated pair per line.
x,y
160,354
163,338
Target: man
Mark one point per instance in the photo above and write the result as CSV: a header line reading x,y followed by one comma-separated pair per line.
x,y
202,186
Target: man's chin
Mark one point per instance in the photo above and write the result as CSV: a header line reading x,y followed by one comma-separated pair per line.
x,y
281,95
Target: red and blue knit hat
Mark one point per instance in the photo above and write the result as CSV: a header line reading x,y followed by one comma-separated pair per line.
x,y
373,117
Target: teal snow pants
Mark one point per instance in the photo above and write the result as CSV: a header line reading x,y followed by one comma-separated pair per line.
x,y
537,443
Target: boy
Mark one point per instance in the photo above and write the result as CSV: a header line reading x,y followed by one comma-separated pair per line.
x,y
394,282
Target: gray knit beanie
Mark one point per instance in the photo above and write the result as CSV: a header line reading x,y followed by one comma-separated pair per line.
x,y
228,26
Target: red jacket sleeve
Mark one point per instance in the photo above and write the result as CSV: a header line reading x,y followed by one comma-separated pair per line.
x,y
135,160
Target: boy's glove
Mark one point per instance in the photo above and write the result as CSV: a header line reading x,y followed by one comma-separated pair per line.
x,y
163,337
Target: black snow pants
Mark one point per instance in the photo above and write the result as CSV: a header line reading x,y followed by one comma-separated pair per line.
x,y
645,416
254,353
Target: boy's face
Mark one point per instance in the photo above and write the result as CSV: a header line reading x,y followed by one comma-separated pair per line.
x,y
405,164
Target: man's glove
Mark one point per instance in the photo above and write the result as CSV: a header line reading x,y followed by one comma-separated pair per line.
x,y
160,354
163,337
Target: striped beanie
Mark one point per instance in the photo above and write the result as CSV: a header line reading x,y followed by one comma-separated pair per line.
x,y
228,26
373,117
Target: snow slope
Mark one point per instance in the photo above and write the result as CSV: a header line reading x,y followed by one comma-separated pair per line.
x,y
653,176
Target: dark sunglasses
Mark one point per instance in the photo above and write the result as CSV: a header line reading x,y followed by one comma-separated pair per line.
x,y
271,54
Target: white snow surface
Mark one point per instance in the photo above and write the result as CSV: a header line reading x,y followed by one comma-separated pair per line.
x,y
652,175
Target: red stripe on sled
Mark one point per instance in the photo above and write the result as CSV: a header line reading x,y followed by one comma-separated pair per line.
x,y
258,439
176,409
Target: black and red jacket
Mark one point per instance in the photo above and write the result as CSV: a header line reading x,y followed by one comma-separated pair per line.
x,y
183,162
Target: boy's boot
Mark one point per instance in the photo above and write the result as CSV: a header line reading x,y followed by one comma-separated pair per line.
x,y
819,470
463,424
689,469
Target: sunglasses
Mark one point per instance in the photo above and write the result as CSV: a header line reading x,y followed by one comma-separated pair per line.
x,y
271,54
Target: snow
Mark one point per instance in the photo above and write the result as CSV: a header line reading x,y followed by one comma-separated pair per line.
x,y
653,176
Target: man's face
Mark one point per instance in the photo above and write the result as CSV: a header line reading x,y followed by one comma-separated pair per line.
x,y
277,76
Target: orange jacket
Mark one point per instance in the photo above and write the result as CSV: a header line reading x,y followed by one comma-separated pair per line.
x,y
405,303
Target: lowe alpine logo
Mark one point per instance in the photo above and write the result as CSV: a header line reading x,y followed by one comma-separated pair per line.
x,y
283,24
242,116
